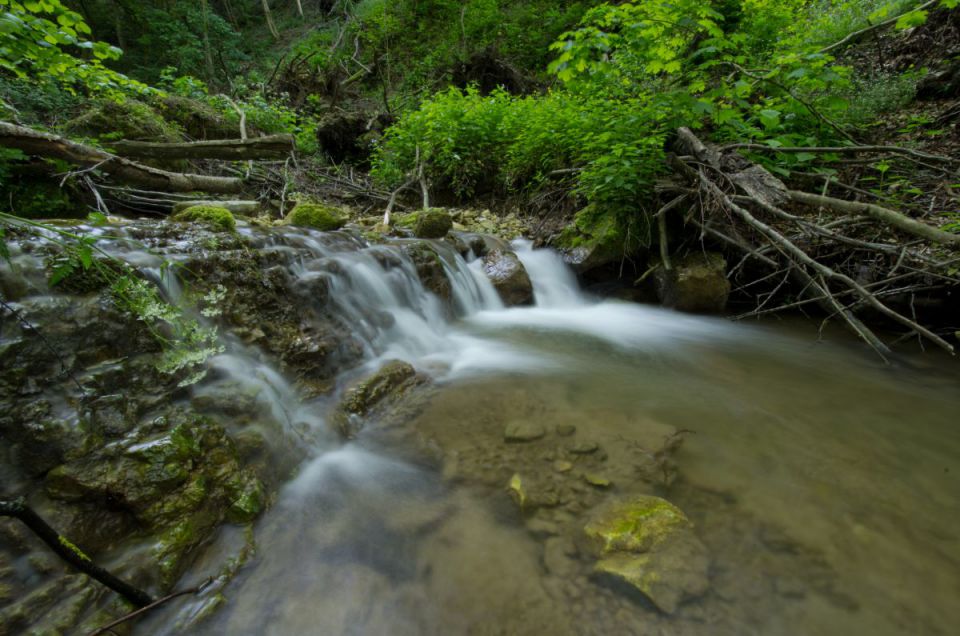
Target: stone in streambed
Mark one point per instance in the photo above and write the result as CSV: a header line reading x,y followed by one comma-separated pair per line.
x,y
584,448
509,277
649,544
697,283
523,431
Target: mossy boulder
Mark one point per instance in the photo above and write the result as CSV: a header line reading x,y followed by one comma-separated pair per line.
x,y
595,239
109,120
214,217
697,283
431,224
649,544
509,277
317,216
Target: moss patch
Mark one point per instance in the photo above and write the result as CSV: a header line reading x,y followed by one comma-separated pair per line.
x,y
635,525
318,216
214,217
109,121
432,223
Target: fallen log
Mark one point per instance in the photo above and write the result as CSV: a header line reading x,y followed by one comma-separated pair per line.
x,y
49,146
271,147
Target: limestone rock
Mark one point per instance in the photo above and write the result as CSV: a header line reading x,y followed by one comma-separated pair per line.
x,y
697,283
393,380
509,277
648,543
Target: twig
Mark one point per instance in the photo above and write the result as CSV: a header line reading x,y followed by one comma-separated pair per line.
x,y
856,35
143,610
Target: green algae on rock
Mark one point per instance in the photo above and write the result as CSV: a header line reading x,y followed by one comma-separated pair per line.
x,y
648,543
317,216
379,391
432,223
214,217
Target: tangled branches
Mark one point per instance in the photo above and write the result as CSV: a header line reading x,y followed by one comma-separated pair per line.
x,y
846,256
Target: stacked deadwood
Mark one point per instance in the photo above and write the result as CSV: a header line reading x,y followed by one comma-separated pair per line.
x,y
819,242
117,173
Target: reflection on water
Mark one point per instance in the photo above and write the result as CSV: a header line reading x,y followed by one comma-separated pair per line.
x,y
823,484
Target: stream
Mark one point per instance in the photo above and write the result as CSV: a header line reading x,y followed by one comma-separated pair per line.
x,y
823,483
829,480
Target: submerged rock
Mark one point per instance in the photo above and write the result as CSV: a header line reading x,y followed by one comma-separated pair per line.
x,y
509,277
523,431
375,393
648,543
697,283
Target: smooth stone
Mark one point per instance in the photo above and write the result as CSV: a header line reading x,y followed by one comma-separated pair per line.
x,y
597,480
562,466
566,430
584,448
523,431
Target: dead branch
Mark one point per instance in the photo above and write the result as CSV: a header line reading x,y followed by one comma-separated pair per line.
x,y
34,142
143,610
271,147
18,509
844,150
884,215
850,38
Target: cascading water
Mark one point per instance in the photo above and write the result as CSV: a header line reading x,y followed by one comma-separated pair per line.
x,y
821,515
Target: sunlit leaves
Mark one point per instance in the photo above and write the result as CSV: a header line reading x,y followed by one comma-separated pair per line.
x,y
47,39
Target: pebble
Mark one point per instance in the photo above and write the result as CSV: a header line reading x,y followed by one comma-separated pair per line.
x,y
566,430
562,466
597,480
584,448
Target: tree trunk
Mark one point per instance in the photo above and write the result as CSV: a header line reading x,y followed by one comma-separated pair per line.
x,y
271,147
270,24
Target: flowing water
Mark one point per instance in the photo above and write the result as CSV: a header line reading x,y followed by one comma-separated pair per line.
x,y
823,483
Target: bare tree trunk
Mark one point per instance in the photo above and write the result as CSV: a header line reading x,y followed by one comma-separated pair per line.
x,y
269,16
299,8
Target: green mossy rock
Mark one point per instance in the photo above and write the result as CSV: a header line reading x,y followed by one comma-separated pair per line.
x,y
130,119
593,240
649,544
633,525
317,216
214,217
432,224
697,283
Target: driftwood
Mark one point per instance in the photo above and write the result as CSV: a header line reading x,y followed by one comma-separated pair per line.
x,y
743,207
271,147
48,146
18,509
108,628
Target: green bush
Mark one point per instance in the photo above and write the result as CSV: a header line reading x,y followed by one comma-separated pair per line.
x,y
317,216
214,217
